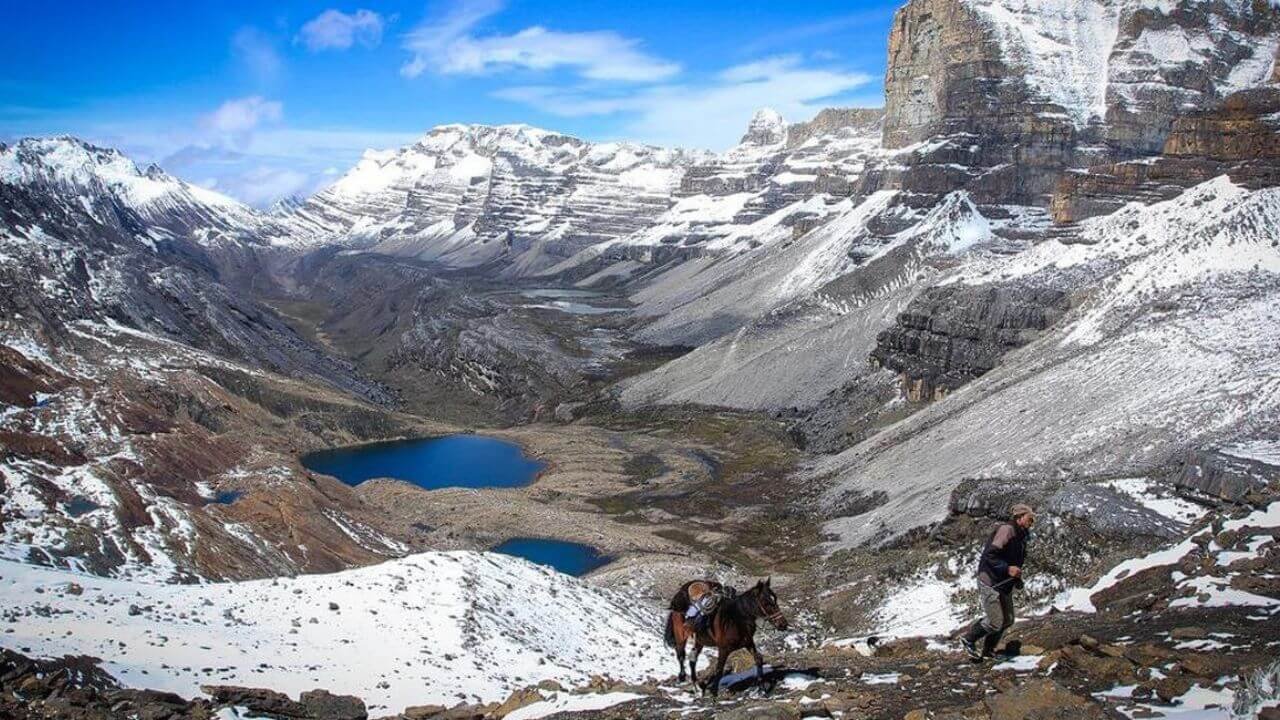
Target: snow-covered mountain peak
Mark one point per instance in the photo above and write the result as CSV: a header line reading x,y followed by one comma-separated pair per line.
x,y
493,138
766,128
78,166
462,153
467,194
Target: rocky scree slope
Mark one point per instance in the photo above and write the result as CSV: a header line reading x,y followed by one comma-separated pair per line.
x,y
1152,363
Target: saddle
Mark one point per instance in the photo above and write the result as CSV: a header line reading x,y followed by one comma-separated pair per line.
x,y
705,598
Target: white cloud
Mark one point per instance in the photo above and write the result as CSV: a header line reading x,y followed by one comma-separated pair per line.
x,y
244,149
269,162
709,115
242,115
262,185
257,53
336,30
449,45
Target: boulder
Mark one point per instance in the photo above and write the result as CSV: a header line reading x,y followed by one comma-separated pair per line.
x,y
517,700
1149,654
1041,699
901,648
323,705
258,700
1210,665
423,712
1219,474
1117,670
1174,686
1138,591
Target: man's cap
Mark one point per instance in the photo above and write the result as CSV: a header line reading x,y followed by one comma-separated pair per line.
x,y
1019,510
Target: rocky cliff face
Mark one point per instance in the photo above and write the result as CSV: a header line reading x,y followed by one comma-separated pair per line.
x,y
1009,93
1239,138
957,97
1169,61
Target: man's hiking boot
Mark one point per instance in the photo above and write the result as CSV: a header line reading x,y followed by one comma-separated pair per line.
x,y
989,645
970,649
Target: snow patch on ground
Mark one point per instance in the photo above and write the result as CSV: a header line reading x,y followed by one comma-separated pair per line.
x,y
429,628
1212,590
1157,498
925,606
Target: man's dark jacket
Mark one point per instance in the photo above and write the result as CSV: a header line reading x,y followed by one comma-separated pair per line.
x,y
1006,546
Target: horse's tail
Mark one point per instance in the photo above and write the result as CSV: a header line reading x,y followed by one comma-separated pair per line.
x,y
669,635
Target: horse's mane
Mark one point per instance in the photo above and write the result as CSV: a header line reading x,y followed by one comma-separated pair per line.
x,y
739,607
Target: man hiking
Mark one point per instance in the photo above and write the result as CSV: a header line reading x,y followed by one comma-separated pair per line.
x,y
999,572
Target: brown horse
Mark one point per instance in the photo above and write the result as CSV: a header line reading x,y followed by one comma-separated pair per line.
x,y
732,627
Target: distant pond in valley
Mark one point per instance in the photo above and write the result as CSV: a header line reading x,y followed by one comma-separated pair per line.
x,y
570,301
569,558
470,461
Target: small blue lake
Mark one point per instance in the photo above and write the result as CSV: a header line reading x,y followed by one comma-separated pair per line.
x,y
470,461
569,558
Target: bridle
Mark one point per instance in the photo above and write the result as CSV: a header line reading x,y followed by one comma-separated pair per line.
x,y
773,617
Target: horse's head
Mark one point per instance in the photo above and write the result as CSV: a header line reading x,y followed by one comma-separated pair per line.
x,y
767,602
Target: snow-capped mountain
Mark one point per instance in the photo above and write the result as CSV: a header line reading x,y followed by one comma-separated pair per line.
x,y
829,238
779,182
467,194
128,339
112,190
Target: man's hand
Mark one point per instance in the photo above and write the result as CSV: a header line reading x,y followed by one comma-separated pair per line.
x,y
1015,571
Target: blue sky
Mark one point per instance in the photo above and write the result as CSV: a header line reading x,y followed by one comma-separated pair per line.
x,y
262,100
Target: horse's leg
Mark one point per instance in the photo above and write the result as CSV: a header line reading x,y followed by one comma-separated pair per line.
x,y
693,661
755,653
722,656
680,655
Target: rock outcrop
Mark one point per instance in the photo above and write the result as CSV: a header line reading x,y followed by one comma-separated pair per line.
x,y
1226,474
952,334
